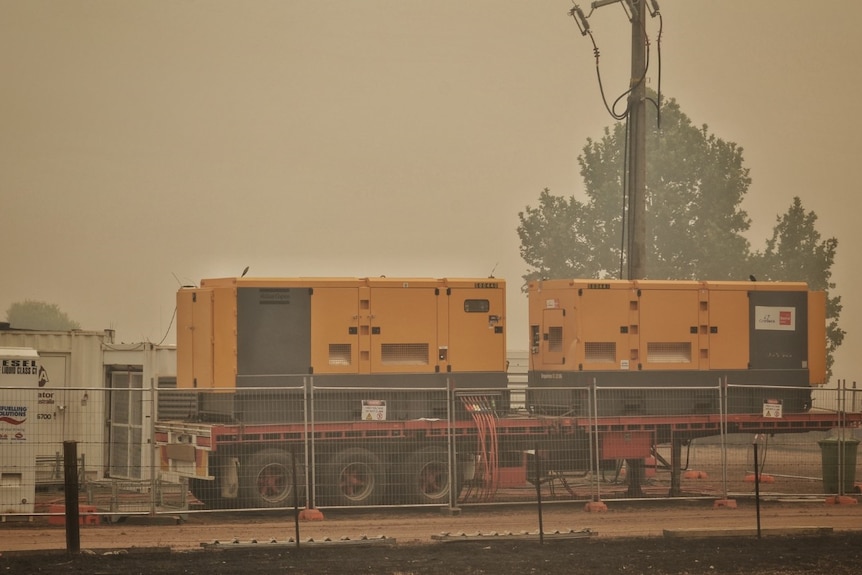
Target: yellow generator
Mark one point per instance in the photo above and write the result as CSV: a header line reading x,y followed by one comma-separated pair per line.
x,y
674,347
358,348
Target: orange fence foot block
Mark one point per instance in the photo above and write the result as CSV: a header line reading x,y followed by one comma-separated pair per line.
x,y
595,507
86,515
692,474
764,478
311,515
724,504
841,500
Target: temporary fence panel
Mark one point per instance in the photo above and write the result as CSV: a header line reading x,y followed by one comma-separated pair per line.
x,y
394,449
328,446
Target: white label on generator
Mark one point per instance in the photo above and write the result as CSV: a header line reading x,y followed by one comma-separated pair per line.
x,y
774,318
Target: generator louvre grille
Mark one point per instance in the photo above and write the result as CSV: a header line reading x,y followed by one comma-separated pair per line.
x,y
600,352
404,353
340,354
669,352
555,339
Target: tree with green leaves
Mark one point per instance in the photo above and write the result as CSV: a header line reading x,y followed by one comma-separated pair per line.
x,y
796,251
39,315
695,185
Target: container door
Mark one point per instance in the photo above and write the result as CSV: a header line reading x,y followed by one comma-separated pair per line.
x,y
126,425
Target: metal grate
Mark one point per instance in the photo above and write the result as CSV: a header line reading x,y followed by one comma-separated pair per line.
x,y
405,353
175,405
339,354
669,352
600,352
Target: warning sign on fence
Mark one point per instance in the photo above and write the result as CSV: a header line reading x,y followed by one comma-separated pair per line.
x,y
373,410
772,408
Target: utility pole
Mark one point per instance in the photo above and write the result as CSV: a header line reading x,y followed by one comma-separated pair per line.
x,y
636,178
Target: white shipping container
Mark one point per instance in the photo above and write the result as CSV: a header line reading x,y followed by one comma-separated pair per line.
x,y
71,398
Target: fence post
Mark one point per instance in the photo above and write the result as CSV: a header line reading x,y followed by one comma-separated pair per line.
x,y
595,457
154,478
70,477
308,445
757,483
295,494
723,411
595,463
310,511
539,494
853,407
842,398
450,447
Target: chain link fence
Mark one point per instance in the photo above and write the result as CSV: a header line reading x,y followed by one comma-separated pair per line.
x,y
314,445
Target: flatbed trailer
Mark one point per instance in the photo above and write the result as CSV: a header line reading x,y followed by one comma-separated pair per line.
x,y
408,462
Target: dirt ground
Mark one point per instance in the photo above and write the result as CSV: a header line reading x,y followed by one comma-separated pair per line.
x,y
838,554
685,537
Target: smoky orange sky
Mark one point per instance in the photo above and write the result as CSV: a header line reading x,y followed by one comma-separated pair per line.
x,y
147,142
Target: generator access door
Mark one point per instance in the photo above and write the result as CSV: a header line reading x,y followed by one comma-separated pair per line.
x,y
552,337
273,326
779,330
728,329
669,326
335,342
477,337
403,325
605,323
195,339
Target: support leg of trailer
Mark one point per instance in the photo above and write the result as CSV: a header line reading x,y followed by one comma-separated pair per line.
x,y
635,474
675,467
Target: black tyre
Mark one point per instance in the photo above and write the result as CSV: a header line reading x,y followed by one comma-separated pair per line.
x,y
355,477
206,491
266,479
427,477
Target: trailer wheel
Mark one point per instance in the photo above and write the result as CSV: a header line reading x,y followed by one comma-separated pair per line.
x,y
427,475
266,479
355,477
206,491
